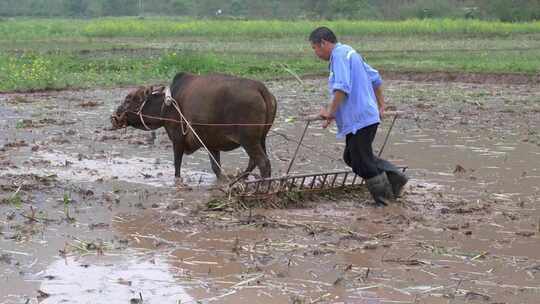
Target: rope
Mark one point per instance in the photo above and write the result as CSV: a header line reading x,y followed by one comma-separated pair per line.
x,y
297,148
388,134
141,115
177,107
201,124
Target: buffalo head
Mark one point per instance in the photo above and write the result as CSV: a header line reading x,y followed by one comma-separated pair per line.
x,y
150,99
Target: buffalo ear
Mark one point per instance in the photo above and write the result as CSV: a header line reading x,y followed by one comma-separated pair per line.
x,y
147,91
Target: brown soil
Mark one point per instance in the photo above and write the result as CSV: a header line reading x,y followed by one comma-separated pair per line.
x,y
485,78
92,215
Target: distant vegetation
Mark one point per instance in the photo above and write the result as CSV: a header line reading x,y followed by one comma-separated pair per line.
x,y
503,10
69,53
27,29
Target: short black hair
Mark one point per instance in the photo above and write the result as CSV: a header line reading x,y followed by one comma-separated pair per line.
x,y
322,33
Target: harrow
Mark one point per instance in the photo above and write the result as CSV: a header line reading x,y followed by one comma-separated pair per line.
x,y
312,182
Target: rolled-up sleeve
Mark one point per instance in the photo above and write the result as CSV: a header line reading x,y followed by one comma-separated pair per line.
x,y
373,75
341,74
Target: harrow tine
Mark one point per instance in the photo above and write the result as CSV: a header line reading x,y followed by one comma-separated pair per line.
x,y
354,179
269,187
344,179
313,178
301,182
324,181
334,180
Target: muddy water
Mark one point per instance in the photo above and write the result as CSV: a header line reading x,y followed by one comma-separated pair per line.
x,y
466,229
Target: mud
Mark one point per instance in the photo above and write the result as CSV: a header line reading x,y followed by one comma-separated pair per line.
x,y
478,78
89,215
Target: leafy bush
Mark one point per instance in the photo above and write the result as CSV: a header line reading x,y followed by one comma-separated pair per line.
x,y
171,63
423,9
29,69
515,10
352,9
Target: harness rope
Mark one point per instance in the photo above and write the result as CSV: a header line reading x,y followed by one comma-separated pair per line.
x,y
200,124
169,100
141,115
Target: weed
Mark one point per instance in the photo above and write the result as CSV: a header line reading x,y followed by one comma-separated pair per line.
x,y
67,201
16,200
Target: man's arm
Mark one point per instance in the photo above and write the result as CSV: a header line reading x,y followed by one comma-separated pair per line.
x,y
330,113
380,100
376,82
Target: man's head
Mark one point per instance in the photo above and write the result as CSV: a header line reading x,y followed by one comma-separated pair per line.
x,y
323,41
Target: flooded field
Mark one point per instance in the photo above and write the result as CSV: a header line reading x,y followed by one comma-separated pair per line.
x,y
89,215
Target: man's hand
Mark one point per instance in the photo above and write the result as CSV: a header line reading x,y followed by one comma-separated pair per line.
x,y
328,118
325,114
381,112
327,123
328,114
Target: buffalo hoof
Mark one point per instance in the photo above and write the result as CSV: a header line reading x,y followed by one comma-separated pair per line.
x,y
180,185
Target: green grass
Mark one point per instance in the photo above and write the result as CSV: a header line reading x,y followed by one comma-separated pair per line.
x,y
519,61
31,29
62,53
276,29
34,71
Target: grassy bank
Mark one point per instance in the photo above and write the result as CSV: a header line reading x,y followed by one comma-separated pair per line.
x,y
29,29
54,71
60,53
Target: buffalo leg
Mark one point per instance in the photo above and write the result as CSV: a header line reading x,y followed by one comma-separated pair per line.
x,y
178,149
256,152
178,154
263,144
251,166
215,167
252,163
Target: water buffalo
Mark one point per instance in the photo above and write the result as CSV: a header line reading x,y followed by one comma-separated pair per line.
x,y
225,111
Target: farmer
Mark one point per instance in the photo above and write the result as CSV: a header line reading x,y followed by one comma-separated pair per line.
x,y
357,107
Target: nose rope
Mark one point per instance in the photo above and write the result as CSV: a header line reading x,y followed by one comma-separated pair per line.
x,y
141,114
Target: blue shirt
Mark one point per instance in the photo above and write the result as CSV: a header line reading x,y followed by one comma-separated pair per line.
x,y
351,75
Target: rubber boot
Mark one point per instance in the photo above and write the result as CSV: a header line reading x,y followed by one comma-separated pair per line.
x,y
380,189
396,177
398,180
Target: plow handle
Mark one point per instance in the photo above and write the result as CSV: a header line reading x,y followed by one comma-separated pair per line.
x,y
317,117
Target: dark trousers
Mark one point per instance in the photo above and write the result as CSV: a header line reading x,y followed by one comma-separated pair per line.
x,y
358,152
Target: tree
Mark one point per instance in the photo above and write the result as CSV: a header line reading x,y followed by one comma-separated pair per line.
x,y
316,8
239,7
182,7
351,9
121,7
95,9
75,8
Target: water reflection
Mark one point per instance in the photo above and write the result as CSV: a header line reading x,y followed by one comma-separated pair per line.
x,y
111,280
138,170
